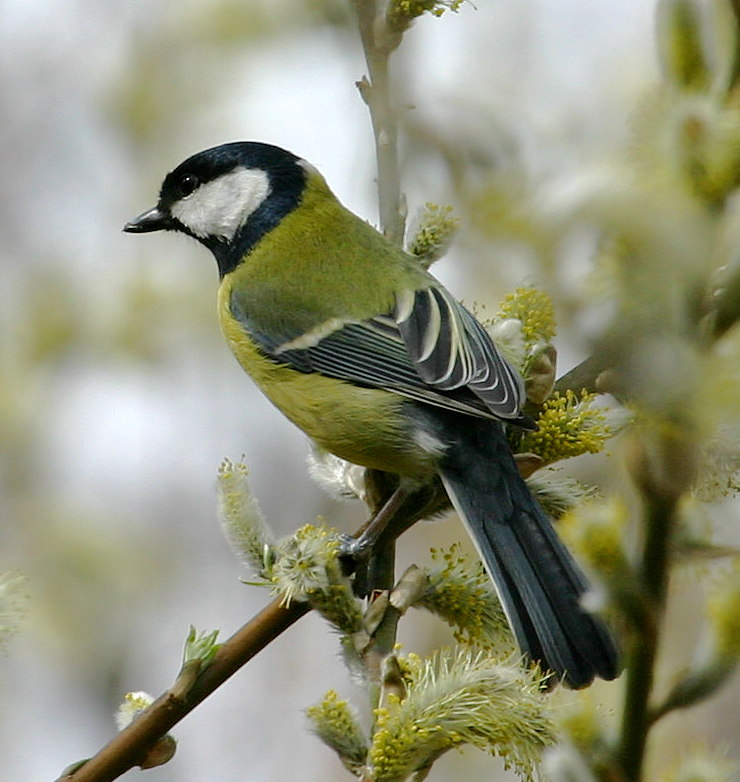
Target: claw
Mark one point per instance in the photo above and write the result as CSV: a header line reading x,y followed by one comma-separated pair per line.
x,y
352,548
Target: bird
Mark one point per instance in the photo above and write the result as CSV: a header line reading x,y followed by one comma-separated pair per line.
x,y
374,359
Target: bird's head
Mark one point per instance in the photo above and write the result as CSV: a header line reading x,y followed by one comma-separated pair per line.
x,y
227,198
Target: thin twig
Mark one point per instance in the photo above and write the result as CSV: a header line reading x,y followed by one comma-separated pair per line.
x,y
725,311
379,42
130,746
584,375
660,516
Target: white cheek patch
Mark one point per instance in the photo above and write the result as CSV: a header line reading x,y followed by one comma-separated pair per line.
x,y
221,207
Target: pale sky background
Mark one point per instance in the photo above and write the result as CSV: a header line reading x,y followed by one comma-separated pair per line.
x,y
107,480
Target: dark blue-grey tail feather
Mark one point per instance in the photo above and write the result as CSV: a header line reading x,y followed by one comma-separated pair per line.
x,y
539,583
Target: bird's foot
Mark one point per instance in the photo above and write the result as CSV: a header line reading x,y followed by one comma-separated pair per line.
x,y
353,549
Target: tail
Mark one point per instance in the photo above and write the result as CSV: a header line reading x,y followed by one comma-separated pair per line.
x,y
536,578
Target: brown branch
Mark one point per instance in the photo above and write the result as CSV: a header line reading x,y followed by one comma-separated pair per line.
x,y
131,745
640,663
726,306
662,466
588,374
719,314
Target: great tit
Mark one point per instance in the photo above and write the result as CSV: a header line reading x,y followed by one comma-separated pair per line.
x,y
377,363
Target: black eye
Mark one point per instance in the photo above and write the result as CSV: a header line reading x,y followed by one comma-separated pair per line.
x,y
187,184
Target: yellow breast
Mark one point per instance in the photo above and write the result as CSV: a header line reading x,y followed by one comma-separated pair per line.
x,y
365,426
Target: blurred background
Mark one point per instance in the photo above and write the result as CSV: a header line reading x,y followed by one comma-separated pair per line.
x,y
118,398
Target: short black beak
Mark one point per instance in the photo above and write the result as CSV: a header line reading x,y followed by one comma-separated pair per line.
x,y
153,220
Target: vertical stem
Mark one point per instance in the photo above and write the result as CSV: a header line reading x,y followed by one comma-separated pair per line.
x,y
378,43
659,518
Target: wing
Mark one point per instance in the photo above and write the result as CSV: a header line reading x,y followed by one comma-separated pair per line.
x,y
450,350
429,349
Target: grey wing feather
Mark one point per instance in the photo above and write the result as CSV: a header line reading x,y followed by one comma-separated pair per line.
x,y
451,350
435,353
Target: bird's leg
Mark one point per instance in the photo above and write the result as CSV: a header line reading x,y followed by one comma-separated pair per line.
x,y
373,568
361,544
396,505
